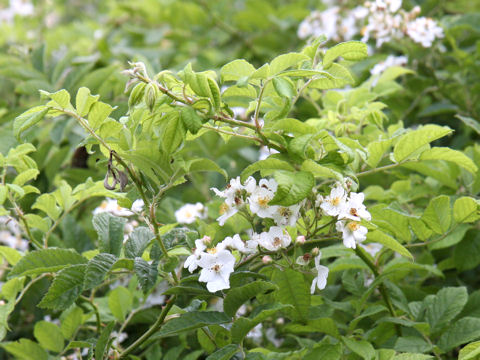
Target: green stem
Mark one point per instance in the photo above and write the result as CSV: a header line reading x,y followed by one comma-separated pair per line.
x,y
95,309
381,287
382,168
154,328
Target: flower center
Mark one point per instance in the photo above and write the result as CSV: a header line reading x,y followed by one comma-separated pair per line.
x,y
353,226
277,241
212,250
335,201
223,208
216,267
263,202
285,212
353,212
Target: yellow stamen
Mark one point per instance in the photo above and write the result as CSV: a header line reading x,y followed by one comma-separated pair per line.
x,y
353,226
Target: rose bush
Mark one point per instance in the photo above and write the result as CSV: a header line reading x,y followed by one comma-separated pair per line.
x,y
261,207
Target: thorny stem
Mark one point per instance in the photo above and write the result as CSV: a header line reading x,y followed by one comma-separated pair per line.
x,y
154,328
381,287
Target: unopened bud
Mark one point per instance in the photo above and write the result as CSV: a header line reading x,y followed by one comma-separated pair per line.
x,y
315,251
206,239
280,321
300,239
267,259
151,93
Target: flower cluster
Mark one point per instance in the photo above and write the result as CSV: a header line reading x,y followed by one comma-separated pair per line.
x,y
16,8
348,208
386,21
387,63
189,212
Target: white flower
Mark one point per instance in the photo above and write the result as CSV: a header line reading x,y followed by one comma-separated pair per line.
x,y
138,205
389,62
354,208
424,31
235,195
261,196
372,248
352,232
192,261
216,269
111,206
286,216
265,152
226,211
334,204
188,213
276,238
256,333
252,244
320,280
234,243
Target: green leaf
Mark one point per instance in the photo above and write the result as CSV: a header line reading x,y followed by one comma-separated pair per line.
x,y
350,50
339,76
242,325
138,241
173,133
204,164
191,120
360,347
470,351
460,332
25,349
60,99
465,210
84,101
325,352
103,342
48,204
28,119
284,87
236,70
466,255
10,254
412,356
224,353
267,164
70,320
376,150
146,273
65,289
388,241
320,171
445,306
412,343
192,320
239,295
110,232
49,336
321,325
97,269
447,154
293,290
414,140
472,123
293,187
98,113
120,302
46,260
438,215
286,61
25,176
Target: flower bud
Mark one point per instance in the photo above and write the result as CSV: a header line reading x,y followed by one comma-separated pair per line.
x,y
151,93
300,240
315,251
267,259
280,321
207,240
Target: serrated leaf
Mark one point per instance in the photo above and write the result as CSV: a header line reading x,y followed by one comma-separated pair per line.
x,y
350,50
48,204
460,332
465,210
445,306
466,255
204,164
388,241
267,164
470,351
46,260
191,120
10,254
472,123
65,289
438,215
325,352
376,150
224,353
146,273
414,140
120,302
97,268
25,349
360,347
447,154
293,187
292,290
320,171
239,295
60,99
192,320
28,119
173,133
49,336
98,113
412,343
284,87
138,241
110,232
25,176
70,320
286,61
